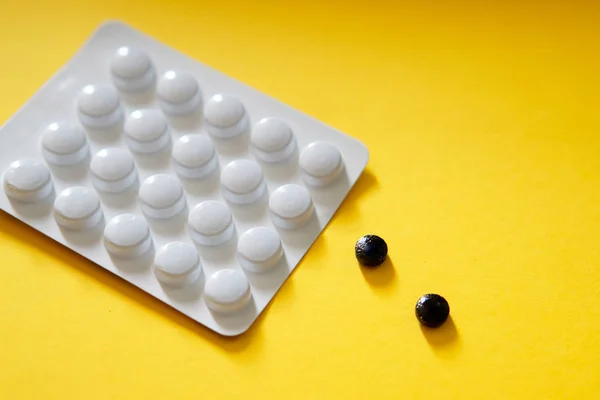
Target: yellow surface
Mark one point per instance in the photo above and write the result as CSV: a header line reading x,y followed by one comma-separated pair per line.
x,y
483,124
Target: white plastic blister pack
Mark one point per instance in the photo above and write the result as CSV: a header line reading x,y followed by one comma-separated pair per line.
x,y
190,185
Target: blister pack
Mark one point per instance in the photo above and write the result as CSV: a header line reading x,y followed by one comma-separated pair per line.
x,y
188,184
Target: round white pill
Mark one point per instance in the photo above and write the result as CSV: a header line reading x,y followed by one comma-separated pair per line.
x,y
227,291
225,116
242,182
77,208
64,143
113,170
291,206
210,223
161,196
146,131
194,156
259,249
127,236
177,264
320,163
132,70
27,181
99,106
272,140
178,93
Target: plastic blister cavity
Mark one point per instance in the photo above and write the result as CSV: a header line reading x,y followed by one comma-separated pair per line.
x,y
259,249
291,206
132,70
178,93
227,291
177,264
99,107
225,116
321,164
64,143
272,140
146,131
77,208
188,184
127,236
211,223
161,196
194,156
27,181
112,170
242,182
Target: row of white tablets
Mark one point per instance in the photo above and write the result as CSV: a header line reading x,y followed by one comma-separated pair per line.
x,y
146,131
161,196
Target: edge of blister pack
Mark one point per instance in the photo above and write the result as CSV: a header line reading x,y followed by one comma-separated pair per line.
x,y
20,139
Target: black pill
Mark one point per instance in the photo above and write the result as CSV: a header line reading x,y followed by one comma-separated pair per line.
x,y
432,310
371,250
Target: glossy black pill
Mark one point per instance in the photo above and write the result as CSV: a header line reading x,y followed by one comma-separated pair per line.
x,y
371,250
432,310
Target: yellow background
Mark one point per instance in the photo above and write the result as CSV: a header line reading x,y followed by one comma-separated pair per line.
x,y
483,124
